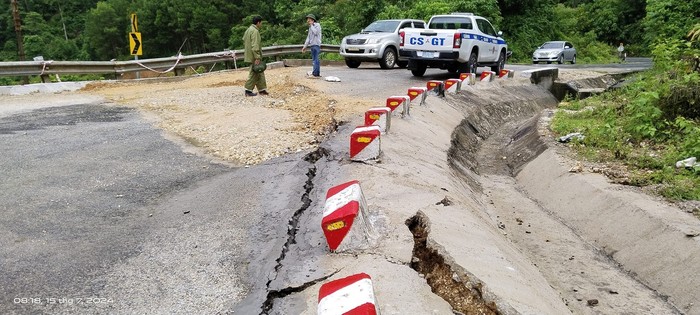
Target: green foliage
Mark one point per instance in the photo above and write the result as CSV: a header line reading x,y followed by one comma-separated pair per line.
x,y
669,19
683,98
98,30
590,50
105,38
648,125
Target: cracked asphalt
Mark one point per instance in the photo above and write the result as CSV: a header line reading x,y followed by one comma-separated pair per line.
x,y
102,214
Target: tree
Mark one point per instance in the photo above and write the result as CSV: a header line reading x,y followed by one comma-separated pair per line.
x,y
105,31
669,19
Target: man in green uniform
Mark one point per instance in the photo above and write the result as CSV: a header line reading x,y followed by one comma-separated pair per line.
x,y
253,54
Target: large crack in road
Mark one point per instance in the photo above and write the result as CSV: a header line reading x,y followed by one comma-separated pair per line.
x,y
292,229
463,295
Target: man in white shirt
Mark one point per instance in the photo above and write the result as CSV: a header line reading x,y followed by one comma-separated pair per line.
x,y
313,41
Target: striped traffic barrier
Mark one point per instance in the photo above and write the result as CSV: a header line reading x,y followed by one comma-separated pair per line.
x,y
352,295
365,143
506,73
435,87
453,85
487,76
469,78
418,93
345,217
379,116
395,102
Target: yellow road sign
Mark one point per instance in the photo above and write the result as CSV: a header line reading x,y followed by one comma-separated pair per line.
x,y
134,23
135,44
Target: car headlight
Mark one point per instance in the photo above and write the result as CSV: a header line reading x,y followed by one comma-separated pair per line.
x,y
374,41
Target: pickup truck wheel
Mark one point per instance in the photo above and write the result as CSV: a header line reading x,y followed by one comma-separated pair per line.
x,y
388,59
500,64
352,63
419,70
471,64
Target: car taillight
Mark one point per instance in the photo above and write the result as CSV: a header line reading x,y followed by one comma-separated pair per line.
x,y
457,40
402,35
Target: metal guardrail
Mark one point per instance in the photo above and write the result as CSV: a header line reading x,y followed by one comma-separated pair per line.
x,y
176,63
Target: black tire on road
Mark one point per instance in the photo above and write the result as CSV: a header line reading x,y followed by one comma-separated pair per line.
x,y
472,63
352,63
388,59
560,60
500,64
573,60
419,70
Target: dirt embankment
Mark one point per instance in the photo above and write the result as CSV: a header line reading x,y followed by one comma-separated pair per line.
x,y
211,113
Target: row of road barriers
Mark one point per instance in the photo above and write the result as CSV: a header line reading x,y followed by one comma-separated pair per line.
x,y
345,221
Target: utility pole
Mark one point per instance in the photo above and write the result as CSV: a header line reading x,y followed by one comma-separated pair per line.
x,y
18,31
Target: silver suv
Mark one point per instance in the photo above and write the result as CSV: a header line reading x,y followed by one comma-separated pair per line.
x,y
377,42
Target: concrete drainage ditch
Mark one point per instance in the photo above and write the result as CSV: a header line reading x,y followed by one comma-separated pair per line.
x,y
577,239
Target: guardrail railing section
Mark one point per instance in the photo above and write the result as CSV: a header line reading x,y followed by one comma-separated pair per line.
x,y
177,64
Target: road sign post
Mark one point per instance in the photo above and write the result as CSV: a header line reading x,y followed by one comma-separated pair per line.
x,y
135,46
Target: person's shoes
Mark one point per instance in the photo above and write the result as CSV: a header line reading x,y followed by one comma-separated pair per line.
x,y
263,92
250,93
311,75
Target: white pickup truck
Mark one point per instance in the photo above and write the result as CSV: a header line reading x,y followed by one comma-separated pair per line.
x,y
458,42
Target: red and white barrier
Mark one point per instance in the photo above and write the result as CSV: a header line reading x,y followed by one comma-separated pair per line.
x,y
353,295
435,87
506,73
418,93
345,216
365,143
395,102
379,116
487,76
453,85
469,78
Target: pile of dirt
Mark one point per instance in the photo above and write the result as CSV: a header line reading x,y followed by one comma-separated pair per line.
x,y
211,112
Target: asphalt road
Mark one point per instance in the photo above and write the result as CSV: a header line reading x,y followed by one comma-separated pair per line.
x,y
102,214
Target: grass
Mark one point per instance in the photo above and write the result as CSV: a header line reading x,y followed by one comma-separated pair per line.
x,y
628,127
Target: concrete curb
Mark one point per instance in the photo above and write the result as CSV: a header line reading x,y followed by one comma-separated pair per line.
x,y
352,295
664,254
365,143
379,116
346,207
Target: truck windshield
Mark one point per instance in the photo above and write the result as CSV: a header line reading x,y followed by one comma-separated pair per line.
x,y
382,27
450,23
